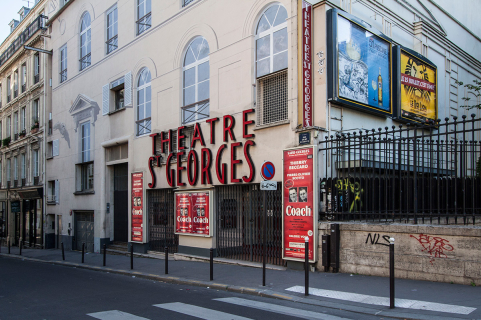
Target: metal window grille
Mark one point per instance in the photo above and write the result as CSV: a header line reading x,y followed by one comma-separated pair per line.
x,y
196,111
85,61
63,75
272,98
36,78
144,23
185,3
112,44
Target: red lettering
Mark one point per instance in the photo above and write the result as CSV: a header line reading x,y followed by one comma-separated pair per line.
x,y
180,168
228,127
249,161
234,162
245,123
221,168
170,173
197,136
163,140
192,162
153,135
206,162
152,173
180,138
212,122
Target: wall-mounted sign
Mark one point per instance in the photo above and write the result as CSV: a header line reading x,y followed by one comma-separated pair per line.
x,y
268,185
192,213
360,64
299,219
268,170
137,224
15,206
305,61
304,138
416,86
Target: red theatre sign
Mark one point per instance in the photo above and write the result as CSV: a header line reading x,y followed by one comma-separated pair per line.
x,y
306,64
299,203
137,207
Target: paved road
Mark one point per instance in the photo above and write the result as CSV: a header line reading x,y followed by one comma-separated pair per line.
x,y
31,290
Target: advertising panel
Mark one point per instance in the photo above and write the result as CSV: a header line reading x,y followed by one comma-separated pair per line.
x,y
360,74
418,88
299,203
192,213
137,223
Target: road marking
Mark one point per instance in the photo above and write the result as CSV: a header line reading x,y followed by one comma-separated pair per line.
x,y
115,315
198,312
382,301
299,313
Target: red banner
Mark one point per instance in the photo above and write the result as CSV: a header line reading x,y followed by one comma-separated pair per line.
x,y
306,64
137,207
299,199
192,213
417,83
200,213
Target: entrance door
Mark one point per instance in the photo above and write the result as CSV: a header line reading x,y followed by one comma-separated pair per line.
x,y
84,230
121,209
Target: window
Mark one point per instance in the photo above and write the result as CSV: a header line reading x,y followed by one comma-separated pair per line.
x,y
15,84
87,177
15,169
1,94
144,15
9,170
143,122
53,192
112,32
63,64
23,167
22,120
35,163
85,131
35,112
196,82
9,89
9,128
271,66
36,68
85,38
15,126
1,135
185,3
24,77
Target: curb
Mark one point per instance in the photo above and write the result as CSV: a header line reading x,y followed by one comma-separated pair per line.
x,y
267,293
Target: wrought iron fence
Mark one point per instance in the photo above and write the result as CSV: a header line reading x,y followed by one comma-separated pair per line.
x,y
161,221
413,173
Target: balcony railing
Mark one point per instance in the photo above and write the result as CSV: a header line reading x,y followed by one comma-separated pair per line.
x,y
112,44
15,183
185,3
144,23
15,137
24,182
35,180
9,98
63,75
51,198
8,184
36,78
15,93
24,88
18,43
85,62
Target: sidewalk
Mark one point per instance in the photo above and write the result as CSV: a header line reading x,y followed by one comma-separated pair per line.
x,y
357,293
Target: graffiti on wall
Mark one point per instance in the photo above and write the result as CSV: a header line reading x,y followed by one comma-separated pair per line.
x,y
435,246
376,239
321,61
343,186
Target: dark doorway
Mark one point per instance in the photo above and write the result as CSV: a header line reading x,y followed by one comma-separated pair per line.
x,y
84,230
29,222
121,209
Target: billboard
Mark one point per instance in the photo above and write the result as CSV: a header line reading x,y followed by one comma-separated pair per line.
x,y
359,64
137,218
416,79
192,213
299,194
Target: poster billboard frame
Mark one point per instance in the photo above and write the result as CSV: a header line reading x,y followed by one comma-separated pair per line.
x,y
132,207
315,216
211,212
333,63
397,86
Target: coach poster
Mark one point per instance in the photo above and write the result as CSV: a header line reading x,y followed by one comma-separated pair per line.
x,y
299,219
193,213
137,219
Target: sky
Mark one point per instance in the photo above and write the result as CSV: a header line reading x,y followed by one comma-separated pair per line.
x,y
9,10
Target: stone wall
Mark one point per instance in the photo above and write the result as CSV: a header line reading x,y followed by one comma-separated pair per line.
x,y
422,252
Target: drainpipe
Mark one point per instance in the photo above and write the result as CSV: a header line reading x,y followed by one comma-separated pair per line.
x,y
44,166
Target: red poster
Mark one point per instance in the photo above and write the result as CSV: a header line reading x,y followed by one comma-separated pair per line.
x,y
200,213
137,222
183,212
299,203
306,64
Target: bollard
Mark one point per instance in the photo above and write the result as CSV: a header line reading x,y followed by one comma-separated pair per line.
x,y
63,253
83,252
166,253
306,267
211,264
391,273
105,252
131,256
21,245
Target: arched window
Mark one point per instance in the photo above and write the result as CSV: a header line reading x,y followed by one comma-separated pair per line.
x,y
85,47
144,97
271,66
196,81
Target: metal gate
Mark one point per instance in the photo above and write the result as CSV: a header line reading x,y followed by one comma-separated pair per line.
x,y
240,223
84,231
161,220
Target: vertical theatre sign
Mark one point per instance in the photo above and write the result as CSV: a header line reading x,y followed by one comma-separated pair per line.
x,y
305,67
137,221
299,217
192,213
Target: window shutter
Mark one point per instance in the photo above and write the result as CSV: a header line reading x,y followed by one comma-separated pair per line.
x,y
55,151
105,99
128,89
57,191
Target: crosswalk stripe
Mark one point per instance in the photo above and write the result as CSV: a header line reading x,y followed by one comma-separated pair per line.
x,y
299,313
382,301
198,312
115,315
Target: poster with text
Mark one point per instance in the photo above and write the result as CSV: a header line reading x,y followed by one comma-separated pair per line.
x,y
183,214
137,223
418,89
200,213
299,197
364,66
